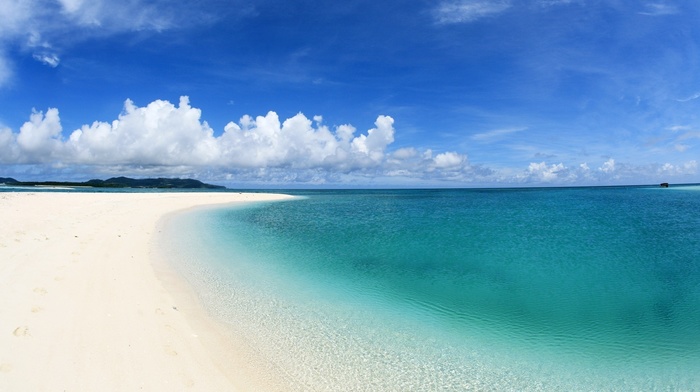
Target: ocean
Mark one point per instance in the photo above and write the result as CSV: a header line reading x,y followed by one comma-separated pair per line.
x,y
453,290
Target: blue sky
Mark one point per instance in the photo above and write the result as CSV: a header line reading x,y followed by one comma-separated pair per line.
x,y
354,93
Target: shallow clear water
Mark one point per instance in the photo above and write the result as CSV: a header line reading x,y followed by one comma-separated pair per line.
x,y
518,289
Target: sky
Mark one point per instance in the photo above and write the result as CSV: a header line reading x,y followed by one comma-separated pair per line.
x,y
359,93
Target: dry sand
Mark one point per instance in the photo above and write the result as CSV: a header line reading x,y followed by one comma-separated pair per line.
x,y
86,306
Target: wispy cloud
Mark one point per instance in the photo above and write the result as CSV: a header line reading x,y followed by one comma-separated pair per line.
x,y
659,9
49,59
110,17
690,135
681,147
676,128
690,98
496,134
464,11
683,133
553,3
42,28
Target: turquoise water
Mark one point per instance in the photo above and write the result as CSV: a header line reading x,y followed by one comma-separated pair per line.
x,y
515,289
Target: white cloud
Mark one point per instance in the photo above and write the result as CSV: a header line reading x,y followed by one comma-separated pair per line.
x,y
14,15
165,139
8,146
42,27
412,163
158,134
449,160
545,173
404,153
689,167
610,172
686,168
464,11
51,60
119,16
377,139
296,143
39,138
690,98
608,166
164,135
71,6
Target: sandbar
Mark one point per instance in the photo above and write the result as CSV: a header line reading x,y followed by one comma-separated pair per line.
x,y
85,305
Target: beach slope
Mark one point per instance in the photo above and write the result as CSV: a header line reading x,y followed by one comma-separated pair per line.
x,y
83,306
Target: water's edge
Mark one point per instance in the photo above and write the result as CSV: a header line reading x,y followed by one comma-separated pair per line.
x,y
314,340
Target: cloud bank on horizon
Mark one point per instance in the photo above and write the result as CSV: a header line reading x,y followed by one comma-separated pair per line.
x,y
164,139
462,92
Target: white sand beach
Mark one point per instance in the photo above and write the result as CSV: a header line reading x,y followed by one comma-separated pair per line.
x,y
86,305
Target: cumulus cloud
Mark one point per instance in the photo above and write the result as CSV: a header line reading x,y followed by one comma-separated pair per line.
x,y
167,139
413,163
447,160
608,166
39,138
610,172
686,168
464,11
545,173
8,146
297,143
157,134
175,138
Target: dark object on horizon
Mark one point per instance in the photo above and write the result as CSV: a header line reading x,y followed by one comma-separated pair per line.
x,y
664,184
7,180
122,182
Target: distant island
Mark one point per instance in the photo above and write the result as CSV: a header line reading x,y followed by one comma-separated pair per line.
x,y
120,182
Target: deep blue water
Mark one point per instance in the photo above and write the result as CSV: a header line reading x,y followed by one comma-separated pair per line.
x,y
506,289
